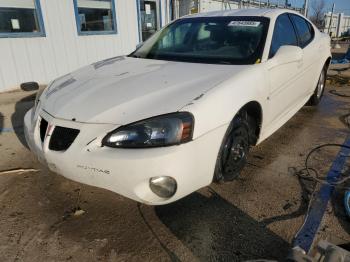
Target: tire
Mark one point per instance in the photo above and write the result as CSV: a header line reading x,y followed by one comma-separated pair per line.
x,y
235,147
321,84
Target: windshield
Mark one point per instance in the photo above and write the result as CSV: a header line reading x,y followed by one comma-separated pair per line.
x,y
218,40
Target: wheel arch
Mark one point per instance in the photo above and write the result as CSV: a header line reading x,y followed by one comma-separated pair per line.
x,y
254,110
328,62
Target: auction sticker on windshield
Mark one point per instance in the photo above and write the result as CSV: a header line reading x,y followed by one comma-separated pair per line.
x,y
244,23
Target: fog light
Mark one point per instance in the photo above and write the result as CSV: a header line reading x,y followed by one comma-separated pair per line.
x,y
163,186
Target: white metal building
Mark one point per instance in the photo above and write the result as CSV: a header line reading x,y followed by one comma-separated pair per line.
x,y
43,39
185,7
339,24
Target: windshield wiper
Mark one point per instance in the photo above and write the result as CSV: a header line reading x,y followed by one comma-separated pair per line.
x,y
223,62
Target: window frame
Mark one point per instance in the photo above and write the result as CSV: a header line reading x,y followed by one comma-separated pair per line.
x,y
41,33
273,33
87,33
139,22
309,26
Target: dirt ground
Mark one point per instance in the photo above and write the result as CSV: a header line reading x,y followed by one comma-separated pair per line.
x,y
254,217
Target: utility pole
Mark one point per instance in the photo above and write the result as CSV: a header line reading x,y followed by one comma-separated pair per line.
x,y
167,11
226,5
331,20
259,3
306,4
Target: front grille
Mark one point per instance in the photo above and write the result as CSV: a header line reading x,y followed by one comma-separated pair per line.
x,y
43,128
62,138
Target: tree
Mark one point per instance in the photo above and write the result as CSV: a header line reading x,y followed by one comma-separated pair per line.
x,y
317,12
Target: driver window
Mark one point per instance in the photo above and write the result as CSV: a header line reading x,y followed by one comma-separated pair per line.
x,y
203,33
283,34
175,37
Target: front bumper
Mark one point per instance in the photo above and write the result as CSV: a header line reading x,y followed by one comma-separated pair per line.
x,y
126,171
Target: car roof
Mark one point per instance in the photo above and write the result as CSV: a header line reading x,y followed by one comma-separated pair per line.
x,y
264,12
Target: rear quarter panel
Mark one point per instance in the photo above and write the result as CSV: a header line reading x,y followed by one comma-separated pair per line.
x,y
322,44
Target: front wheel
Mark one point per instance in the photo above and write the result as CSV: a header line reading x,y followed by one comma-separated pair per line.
x,y
235,147
317,96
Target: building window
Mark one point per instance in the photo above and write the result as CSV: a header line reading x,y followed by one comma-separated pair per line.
x,y
21,18
95,17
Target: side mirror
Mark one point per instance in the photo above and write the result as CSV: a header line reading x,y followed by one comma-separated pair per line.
x,y
29,86
287,54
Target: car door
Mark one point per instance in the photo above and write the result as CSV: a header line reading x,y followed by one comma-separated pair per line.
x,y
311,59
284,78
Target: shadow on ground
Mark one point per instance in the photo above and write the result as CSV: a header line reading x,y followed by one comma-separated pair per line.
x,y
214,229
17,118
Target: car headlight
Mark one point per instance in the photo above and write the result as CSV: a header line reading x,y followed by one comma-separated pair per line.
x,y
164,130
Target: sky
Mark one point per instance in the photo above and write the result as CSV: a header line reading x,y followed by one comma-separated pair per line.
x,y
341,6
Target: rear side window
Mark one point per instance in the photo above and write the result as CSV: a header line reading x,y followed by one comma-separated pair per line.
x,y
283,34
304,30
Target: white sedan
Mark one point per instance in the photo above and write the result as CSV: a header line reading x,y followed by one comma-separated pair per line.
x,y
183,109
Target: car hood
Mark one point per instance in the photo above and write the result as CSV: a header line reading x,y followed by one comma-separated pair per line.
x,y
122,90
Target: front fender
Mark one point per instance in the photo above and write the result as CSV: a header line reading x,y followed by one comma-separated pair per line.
x,y
219,106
